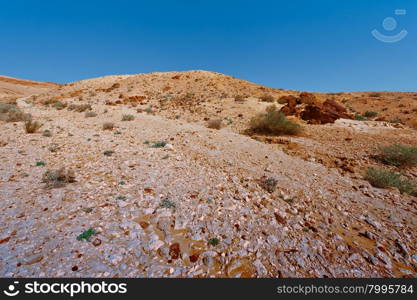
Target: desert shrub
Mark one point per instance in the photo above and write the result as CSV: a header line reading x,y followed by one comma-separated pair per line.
x,y
214,124
359,117
79,107
239,98
375,95
273,122
370,114
159,144
269,184
47,133
128,117
58,178
90,114
12,113
108,126
267,98
398,155
384,178
32,126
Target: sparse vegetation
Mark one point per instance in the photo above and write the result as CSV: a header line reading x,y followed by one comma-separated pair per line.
x,y
47,133
40,164
12,113
32,126
86,235
267,98
240,98
90,114
384,178
58,178
370,114
398,155
214,242
79,107
273,122
166,203
128,117
108,152
214,124
108,126
359,117
375,95
269,184
159,144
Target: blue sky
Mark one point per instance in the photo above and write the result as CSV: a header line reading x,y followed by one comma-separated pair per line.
x,y
304,45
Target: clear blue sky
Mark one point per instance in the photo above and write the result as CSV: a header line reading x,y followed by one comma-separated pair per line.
x,y
305,45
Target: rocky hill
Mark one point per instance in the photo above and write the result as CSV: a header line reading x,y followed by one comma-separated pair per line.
x,y
161,175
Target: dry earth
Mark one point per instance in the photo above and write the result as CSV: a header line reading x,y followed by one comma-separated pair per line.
x,y
196,206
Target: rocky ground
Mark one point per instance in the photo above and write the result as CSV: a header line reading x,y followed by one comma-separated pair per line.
x,y
167,197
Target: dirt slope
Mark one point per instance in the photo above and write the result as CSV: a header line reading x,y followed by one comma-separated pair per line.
x,y
12,87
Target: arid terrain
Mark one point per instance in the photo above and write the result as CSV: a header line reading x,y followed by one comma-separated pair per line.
x,y
162,175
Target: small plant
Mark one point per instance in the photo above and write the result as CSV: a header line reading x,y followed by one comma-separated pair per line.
x,y
58,178
47,133
269,184
214,242
267,98
128,117
166,203
146,142
40,164
108,152
90,114
108,126
398,155
375,95
11,113
214,124
121,198
86,235
32,126
273,122
370,114
229,121
384,178
160,144
240,98
149,110
359,117
79,107
53,147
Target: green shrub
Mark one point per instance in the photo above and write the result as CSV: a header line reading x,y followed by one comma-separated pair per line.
x,y
384,178
398,155
273,122
370,114
160,144
359,117
86,235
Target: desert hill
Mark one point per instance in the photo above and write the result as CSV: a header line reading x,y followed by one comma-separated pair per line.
x,y
12,87
128,177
